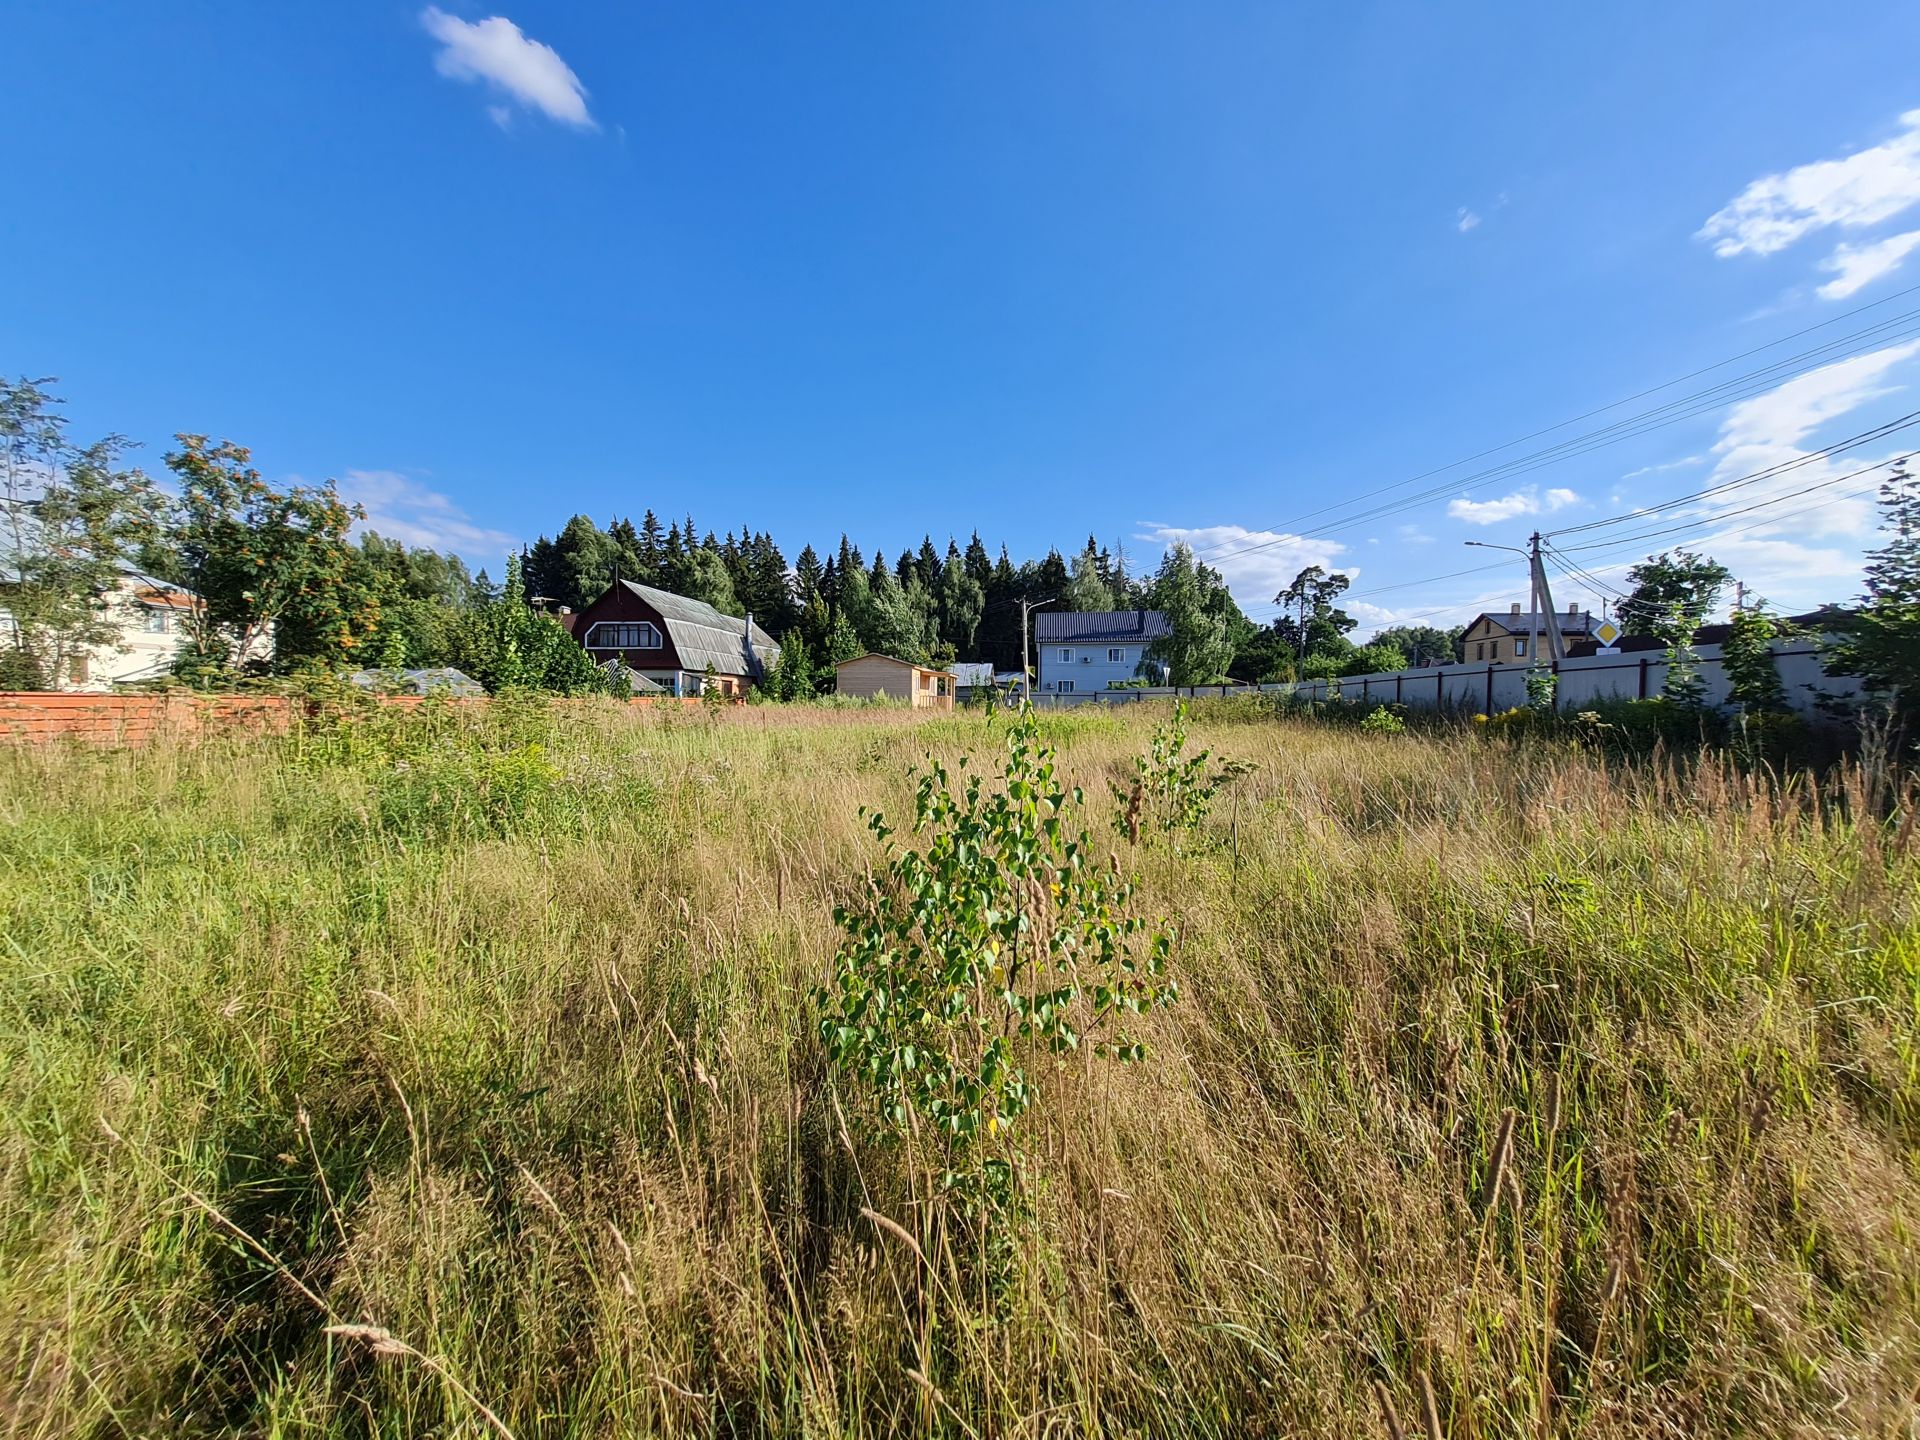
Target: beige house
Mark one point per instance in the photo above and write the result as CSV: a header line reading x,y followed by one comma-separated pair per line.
x,y
1494,639
874,676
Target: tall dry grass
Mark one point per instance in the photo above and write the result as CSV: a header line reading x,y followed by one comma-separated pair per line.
x,y
455,1074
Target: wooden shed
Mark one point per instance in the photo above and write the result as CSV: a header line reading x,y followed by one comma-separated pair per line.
x,y
872,676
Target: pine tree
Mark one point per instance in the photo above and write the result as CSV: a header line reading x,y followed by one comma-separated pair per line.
x,y
652,549
806,575
978,564
1881,642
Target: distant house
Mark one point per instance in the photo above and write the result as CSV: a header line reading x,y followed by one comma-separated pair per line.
x,y
154,620
871,677
1495,639
1082,650
972,678
673,641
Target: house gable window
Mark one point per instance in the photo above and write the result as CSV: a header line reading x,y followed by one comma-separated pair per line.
x,y
1066,655
157,621
623,635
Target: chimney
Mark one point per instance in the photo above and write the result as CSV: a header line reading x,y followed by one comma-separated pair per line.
x,y
1574,608
1516,608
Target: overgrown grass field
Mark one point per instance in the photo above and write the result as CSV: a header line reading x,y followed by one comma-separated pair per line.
x,y
461,1073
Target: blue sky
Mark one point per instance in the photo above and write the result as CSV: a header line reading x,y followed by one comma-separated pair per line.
x,y
1145,271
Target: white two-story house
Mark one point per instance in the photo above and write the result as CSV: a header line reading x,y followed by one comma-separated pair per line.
x,y
1083,650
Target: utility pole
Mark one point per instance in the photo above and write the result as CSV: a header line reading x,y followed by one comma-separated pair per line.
x,y
1543,602
1739,596
1027,607
1540,600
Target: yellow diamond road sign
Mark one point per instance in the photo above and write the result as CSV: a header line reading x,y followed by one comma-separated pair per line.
x,y
1606,632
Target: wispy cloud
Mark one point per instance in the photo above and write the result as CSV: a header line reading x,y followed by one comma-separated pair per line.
x,y
1530,501
1779,426
1465,220
401,508
494,52
1681,464
1254,576
1854,267
1859,189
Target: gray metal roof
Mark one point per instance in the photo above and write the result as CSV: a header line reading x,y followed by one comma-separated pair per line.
x,y
705,636
1054,627
973,672
1526,621
418,682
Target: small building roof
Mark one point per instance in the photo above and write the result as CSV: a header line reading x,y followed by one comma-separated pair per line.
x,y
1053,627
973,672
705,636
418,682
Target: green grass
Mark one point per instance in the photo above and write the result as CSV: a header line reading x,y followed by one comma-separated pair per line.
x,y
487,1031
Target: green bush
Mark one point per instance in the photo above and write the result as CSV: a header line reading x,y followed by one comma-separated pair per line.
x,y
1000,942
1383,721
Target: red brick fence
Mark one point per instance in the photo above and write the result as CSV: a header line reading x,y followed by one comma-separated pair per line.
x,y
40,716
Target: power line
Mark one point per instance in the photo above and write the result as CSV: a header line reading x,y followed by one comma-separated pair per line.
x,y
1839,447
1623,429
1710,524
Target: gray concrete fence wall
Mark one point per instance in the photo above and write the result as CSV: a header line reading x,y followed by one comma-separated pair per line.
x,y
1489,689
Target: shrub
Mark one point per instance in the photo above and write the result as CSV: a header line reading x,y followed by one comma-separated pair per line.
x,y
21,670
1383,721
999,942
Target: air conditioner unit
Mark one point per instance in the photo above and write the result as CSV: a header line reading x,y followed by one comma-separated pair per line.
x,y
1086,659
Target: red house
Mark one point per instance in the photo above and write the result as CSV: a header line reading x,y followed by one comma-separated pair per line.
x,y
673,641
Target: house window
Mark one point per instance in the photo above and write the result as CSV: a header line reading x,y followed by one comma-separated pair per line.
x,y
76,669
610,636
1066,655
1480,650
1116,655
1519,648
157,621
1066,687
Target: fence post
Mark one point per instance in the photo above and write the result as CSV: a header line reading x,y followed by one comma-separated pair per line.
x,y
1643,677
1489,689
1397,679
1556,686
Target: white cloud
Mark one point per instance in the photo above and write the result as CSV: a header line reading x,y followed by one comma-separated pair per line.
x,y
1778,420
1777,428
1410,534
1657,469
494,52
1807,549
1863,188
1254,576
1465,220
402,509
1529,501
1854,267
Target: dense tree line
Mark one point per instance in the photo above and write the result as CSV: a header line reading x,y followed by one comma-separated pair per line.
x,y
924,604
284,586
